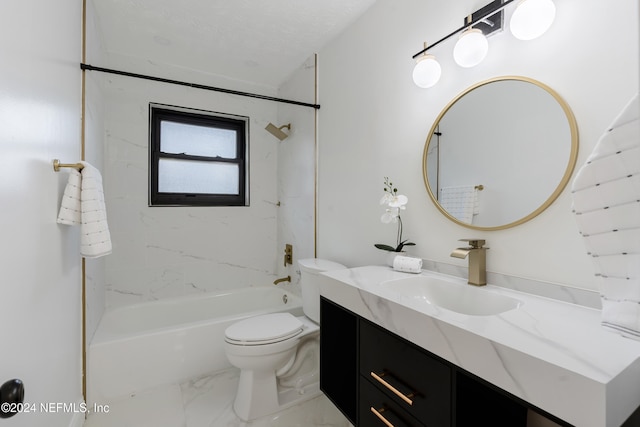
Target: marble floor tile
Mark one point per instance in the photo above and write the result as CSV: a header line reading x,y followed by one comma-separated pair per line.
x,y
158,407
207,402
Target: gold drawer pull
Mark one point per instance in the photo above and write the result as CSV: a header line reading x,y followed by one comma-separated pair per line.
x,y
378,413
394,390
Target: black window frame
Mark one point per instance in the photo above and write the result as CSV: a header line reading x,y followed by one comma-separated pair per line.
x,y
159,113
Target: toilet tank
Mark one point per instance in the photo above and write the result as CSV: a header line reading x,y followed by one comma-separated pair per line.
x,y
310,268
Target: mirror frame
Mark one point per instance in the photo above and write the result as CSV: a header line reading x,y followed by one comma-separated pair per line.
x,y
573,127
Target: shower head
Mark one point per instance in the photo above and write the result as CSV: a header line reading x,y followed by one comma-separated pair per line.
x,y
277,131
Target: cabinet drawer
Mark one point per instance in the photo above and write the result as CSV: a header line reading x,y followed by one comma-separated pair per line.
x,y
397,367
373,399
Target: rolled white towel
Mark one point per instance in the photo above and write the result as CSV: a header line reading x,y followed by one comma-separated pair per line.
x,y
407,264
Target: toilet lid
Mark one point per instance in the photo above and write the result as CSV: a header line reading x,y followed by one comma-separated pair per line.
x,y
264,329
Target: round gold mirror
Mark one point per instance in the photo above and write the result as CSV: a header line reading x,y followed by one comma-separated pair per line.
x,y
500,153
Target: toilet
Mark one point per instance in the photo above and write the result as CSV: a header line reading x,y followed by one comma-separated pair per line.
x,y
278,354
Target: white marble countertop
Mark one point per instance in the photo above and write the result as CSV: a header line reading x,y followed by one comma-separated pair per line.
x,y
552,354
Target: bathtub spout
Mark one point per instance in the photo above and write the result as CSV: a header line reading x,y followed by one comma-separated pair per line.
x,y
284,279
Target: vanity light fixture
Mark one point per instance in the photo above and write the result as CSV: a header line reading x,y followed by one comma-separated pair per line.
x,y
427,71
530,20
471,48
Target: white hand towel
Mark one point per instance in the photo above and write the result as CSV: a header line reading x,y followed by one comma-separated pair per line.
x,y
606,201
95,239
83,204
70,206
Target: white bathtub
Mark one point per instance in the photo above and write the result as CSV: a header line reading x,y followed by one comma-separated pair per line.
x,y
169,341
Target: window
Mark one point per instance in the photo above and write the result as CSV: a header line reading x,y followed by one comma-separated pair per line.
x,y
197,158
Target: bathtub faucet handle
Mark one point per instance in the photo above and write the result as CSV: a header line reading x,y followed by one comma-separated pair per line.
x,y
288,254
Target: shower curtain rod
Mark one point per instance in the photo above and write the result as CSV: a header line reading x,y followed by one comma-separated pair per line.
x,y
195,85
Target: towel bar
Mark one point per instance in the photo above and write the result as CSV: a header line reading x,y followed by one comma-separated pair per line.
x,y
57,165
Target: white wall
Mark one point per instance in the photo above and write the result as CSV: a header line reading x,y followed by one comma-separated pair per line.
x,y
374,123
161,252
40,286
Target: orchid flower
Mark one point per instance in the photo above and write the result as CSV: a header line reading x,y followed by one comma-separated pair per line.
x,y
395,202
389,216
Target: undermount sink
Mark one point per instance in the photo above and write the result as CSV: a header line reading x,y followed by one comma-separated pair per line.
x,y
463,299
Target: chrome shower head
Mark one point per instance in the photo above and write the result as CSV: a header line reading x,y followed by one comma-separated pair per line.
x,y
277,131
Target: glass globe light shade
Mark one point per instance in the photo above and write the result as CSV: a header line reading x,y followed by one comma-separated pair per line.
x,y
471,48
532,18
427,71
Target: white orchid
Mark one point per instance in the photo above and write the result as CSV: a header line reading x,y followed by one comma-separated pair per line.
x,y
395,202
389,215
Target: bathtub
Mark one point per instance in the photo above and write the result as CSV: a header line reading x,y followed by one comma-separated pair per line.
x,y
140,346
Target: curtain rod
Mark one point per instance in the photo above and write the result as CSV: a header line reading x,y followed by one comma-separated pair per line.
x,y
195,85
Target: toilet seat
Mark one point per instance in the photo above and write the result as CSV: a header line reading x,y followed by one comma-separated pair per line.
x,y
264,329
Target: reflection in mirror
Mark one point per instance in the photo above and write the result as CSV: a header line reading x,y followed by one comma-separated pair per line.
x,y
500,153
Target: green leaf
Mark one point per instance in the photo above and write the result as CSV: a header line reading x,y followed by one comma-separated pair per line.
x,y
385,247
402,245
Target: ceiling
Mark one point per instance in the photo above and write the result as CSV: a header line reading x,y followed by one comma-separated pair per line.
x,y
257,41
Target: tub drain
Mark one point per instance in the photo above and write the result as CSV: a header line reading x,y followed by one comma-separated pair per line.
x,y
285,299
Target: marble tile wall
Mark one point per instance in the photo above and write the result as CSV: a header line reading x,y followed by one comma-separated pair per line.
x,y
162,252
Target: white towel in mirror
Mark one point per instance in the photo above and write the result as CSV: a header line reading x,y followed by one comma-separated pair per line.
x,y
460,202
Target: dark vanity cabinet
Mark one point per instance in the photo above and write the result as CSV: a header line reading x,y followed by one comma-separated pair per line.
x,y
377,378
339,357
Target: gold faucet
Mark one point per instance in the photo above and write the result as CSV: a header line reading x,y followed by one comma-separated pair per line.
x,y
284,279
477,260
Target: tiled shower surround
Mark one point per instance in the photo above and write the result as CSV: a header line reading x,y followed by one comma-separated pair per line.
x,y
162,252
